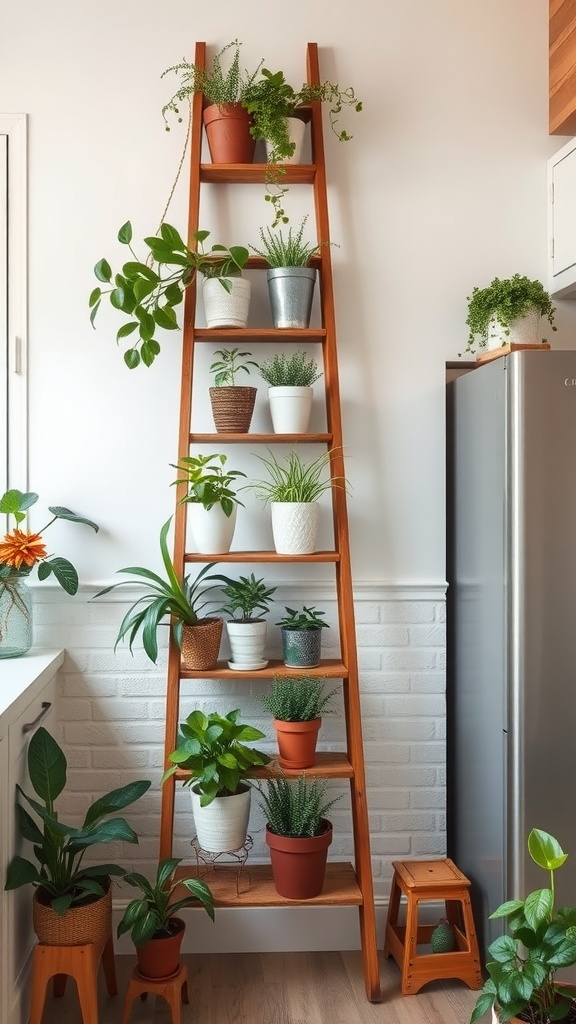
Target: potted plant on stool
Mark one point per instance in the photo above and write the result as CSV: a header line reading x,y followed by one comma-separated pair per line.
x,y
151,919
296,706
302,637
290,393
298,834
541,939
213,749
247,632
213,500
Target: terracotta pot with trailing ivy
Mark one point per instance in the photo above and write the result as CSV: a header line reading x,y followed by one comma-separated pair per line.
x,y
232,403
212,499
506,312
146,292
296,705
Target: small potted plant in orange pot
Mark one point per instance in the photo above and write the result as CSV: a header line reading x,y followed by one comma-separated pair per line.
x,y
296,705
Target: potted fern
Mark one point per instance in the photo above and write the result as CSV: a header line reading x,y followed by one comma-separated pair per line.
x,y
290,394
296,705
290,277
298,834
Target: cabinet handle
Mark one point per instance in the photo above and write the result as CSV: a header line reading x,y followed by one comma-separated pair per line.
x,y
29,726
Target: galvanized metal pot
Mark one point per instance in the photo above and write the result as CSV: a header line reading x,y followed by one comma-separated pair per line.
x,y
291,290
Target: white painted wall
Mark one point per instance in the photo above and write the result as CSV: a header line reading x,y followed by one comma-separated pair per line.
x,y
443,187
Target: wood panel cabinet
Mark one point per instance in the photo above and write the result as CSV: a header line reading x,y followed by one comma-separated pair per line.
x,y
562,67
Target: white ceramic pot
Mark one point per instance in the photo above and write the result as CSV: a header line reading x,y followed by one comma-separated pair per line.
x,y
247,644
226,309
222,826
525,330
295,526
290,408
212,530
296,133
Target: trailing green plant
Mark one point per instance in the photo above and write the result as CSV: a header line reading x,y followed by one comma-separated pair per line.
x,y
308,618
59,848
165,597
208,482
147,291
295,370
541,939
151,916
504,301
297,808
218,84
228,366
292,479
289,251
299,699
213,749
245,595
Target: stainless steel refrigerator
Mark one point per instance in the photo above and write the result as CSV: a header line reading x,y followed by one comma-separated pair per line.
x,y
511,623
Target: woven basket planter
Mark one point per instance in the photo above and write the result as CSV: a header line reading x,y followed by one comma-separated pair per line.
x,y
232,409
79,925
201,644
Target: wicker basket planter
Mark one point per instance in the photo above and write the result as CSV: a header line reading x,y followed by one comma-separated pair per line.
x,y
232,408
79,925
201,645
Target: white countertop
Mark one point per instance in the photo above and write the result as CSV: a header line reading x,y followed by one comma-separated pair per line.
x,y
21,677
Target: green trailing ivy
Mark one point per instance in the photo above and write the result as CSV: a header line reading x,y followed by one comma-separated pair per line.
x,y
504,301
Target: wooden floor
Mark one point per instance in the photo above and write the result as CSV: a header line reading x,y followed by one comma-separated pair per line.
x,y
279,988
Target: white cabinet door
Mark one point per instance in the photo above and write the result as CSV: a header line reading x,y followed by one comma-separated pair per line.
x,y
19,902
4,858
562,221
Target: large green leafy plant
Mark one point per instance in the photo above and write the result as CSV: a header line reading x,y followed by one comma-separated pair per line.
x,y
503,301
151,915
183,601
209,482
147,291
541,939
59,848
213,748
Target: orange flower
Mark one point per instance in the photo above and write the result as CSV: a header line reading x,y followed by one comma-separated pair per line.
x,y
22,548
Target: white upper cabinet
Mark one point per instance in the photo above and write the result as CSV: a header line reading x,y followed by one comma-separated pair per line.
x,y
562,222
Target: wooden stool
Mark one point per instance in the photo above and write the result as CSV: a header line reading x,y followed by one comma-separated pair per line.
x,y
173,990
420,880
81,963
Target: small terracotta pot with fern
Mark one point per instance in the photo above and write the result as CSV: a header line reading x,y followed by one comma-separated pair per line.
x,y
297,705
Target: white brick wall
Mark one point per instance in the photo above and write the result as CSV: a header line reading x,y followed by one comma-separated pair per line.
x,y
111,717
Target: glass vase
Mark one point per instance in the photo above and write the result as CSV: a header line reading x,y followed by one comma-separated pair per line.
x,y
15,617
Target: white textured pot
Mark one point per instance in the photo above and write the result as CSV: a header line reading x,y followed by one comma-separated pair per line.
x,y
295,526
221,827
226,309
525,330
296,133
212,530
290,408
247,644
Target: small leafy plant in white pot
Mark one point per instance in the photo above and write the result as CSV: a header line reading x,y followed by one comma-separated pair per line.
x,y
506,312
212,499
246,630
290,393
292,490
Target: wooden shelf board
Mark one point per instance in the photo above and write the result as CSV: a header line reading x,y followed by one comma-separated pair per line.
x,y
256,334
331,668
329,764
246,174
260,438
340,886
261,556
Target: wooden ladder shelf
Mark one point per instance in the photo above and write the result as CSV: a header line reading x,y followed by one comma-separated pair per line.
x,y
346,884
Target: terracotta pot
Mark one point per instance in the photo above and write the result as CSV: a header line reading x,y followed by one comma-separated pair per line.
x,y
91,922
201,644
228,132
232,409
160,958
297,742
299,865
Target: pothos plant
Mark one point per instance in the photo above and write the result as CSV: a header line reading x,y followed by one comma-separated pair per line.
x,y
148,291
502,302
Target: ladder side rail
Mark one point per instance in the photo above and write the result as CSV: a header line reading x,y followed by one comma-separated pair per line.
x,y
361,833
180,517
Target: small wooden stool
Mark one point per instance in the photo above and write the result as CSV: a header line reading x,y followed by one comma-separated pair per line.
x,y
173,990
420,880
81,963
